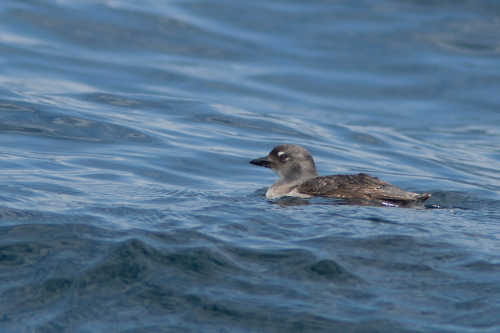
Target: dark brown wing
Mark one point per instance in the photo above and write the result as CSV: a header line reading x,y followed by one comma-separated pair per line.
x,y
359,186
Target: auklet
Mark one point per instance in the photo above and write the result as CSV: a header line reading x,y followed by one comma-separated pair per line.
x,y
298,178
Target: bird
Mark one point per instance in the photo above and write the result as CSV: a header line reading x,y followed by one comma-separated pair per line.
x,y
298,178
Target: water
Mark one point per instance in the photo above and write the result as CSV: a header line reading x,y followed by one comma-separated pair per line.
x,y
128,204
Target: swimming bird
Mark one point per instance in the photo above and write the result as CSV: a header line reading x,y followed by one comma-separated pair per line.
x,y
298,178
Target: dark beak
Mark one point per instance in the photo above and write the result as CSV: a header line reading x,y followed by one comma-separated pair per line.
x,y
263,161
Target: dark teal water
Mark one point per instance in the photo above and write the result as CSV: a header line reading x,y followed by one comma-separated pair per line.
x,y
127,202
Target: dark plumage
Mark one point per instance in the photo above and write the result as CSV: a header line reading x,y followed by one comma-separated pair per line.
x,y
298,178
360,186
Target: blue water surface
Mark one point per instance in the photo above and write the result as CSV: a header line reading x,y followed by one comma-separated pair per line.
x,y
128,203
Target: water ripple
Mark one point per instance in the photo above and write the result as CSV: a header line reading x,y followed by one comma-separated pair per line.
x,y
128,203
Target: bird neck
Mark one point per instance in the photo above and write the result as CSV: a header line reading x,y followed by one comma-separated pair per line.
x,y
297,174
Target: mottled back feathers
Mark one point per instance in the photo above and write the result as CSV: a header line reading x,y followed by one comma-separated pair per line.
x,y
358,186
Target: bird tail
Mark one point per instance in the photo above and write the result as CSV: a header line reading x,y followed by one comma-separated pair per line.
x,y
422,197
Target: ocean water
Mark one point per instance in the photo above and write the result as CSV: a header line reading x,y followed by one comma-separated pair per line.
x,y
127,202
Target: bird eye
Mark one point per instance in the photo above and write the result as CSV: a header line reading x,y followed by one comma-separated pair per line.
x,y
283,157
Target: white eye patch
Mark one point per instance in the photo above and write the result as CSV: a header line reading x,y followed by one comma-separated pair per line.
x,y
282,156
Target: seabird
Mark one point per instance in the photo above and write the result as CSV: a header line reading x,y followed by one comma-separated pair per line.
x,y
298,178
